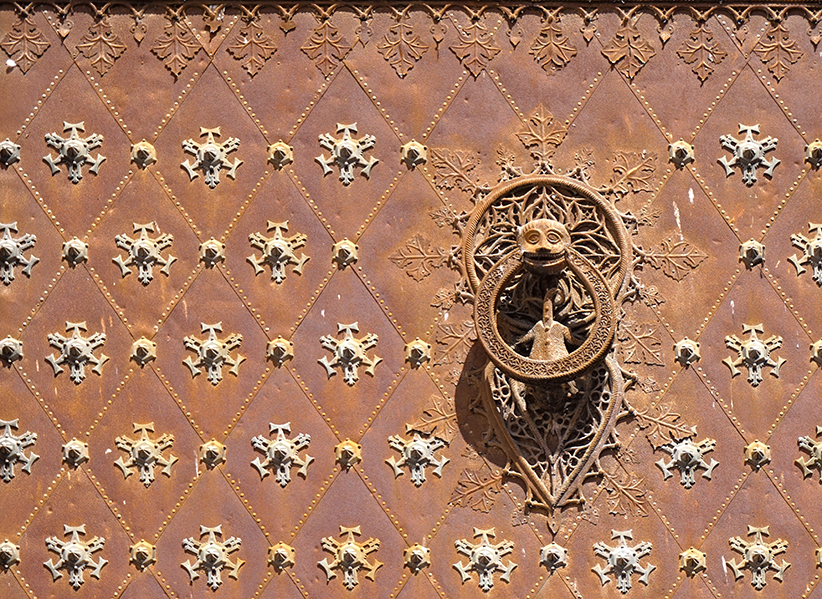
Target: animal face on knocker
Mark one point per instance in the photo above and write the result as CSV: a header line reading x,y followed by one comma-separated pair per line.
x,y
544,244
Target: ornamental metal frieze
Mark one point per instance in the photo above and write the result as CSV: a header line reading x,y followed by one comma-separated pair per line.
x,y
350,557
75,555
484,558
278,251
758,557
282,454
349,353
213,353
144,252
11,252
416,454
811,252
754,354
622,561
347,153
211,157
145,454
688,457
212,556
748,154
74,151
77,351
12,450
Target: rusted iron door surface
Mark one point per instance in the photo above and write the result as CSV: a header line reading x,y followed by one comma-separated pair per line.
x,y
410,301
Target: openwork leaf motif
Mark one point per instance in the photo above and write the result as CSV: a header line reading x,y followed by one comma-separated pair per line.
x,y
542,135
777,50
454,169
633,172
453,342
24,44
675,257
252,47
419,257
660,424
639,343
628,51
476,47
477,489
402,48
101,46
176,47
701,51
626,496
439,417
551,49
326,47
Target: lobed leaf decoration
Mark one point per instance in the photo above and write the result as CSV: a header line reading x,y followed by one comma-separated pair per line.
x,y
402,48
675,257
777,50
476,47
633,172
101,46
701,51
639,343
453,342
454,169
419,257
661,424
628,51
176,47
438,417
252,47
24,44
327,47
626,495
542,135
477,489
551,49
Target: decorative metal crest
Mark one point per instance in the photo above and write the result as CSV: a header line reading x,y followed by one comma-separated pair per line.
x,y
212,556
12,450
758,556
75,555
350,557
73,151
753,353
282,453
77,351
11,252
748,154
278,251
213,353
145,454
484,558
623,561
144,252
347,153
211,157
349,353
417,453
687,457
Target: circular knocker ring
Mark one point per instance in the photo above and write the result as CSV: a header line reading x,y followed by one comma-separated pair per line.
x,y
523,221
534,371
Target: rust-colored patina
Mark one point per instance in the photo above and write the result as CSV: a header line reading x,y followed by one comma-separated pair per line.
x,y
410,300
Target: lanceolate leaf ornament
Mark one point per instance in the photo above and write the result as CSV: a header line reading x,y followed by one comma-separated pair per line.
x,y
176,47
476,47
101,46
551,49
326,47
701,51
402,48
777,50
252,47
24,44
628,51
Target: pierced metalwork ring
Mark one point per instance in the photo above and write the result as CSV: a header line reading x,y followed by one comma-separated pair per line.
x,y
527,369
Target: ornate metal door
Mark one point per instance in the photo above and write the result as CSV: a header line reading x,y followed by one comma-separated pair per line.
x,y
424,300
